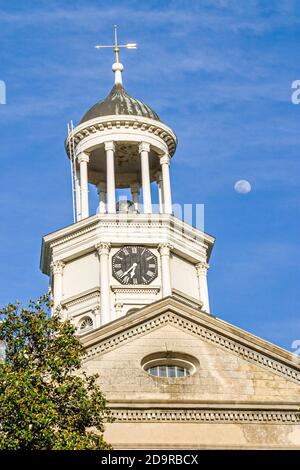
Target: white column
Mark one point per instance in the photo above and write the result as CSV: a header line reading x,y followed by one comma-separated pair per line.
x,y
83,159
110,177
78,195
201,269
165,170
103,252
101,189
144,150
164,249
135,193
160,192
57,273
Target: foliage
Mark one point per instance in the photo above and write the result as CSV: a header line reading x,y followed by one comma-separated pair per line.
x,y
46,401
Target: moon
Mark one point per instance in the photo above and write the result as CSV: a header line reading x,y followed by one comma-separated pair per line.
x,y
242,187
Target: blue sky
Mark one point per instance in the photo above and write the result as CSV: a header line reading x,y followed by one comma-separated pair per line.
x,y
219,72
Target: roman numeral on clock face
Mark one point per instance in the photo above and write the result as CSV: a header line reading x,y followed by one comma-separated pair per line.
x,y
134,264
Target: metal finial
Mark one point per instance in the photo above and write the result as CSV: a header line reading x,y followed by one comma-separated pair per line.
x,y
117,46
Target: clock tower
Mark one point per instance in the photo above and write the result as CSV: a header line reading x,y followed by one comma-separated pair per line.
x,y
134,251
132,277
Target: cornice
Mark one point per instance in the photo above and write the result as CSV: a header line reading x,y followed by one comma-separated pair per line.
x,y
82,297
225,416
201,325
187,299
186,404
113,122
175,228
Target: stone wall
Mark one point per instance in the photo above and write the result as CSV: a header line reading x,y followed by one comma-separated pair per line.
x,y
228,402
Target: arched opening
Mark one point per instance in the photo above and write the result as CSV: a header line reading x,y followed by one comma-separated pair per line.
x,y
85,324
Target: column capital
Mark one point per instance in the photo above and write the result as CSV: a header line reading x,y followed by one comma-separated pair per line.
x,y
202,268
109,146
103,248
165,159
96,309
144,147
164,249
57,267
118,308
83,157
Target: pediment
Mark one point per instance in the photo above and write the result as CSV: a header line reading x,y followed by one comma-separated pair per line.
x,y
198,324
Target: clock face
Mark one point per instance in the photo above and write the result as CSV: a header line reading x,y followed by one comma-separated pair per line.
x,y
134,265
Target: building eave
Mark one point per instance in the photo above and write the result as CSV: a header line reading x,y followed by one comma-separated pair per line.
x,y
185,238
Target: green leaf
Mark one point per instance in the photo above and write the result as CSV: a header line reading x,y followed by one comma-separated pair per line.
x,y
46,402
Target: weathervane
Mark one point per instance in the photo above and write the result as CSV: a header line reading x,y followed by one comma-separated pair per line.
x,y
117,46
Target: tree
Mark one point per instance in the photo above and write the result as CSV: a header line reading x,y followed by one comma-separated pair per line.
x,y
46,401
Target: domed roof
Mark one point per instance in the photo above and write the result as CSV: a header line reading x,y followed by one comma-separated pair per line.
x,y
119,102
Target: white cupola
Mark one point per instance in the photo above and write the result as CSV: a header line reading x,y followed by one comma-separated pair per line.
x,y
121,143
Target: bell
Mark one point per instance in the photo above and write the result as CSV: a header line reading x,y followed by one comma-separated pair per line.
x,y
124,206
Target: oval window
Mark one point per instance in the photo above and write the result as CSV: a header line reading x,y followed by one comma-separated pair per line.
x,y
170,365
168,370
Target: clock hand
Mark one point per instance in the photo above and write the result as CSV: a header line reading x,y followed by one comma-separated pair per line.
x,y
133,271
128,270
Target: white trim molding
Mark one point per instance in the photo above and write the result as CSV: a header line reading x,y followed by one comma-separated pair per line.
x,y
225,416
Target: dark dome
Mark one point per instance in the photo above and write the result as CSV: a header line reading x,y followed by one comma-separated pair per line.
x,y
118,102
